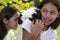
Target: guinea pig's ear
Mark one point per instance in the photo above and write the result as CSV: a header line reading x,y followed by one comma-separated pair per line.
x,y
37,11
39,16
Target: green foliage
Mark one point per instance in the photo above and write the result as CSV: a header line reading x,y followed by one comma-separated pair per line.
x,y
19,4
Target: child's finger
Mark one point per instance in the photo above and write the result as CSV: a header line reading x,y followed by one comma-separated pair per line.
x,y
37,21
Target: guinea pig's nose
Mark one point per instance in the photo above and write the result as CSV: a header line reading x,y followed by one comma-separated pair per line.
x,y
20,21
20,15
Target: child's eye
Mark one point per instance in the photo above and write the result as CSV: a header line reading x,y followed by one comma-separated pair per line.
x,y
45,11
52,12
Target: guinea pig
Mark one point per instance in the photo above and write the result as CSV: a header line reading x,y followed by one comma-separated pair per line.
x,y
31,14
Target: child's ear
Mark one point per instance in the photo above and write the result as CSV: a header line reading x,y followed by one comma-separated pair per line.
x,y
58,15
5,21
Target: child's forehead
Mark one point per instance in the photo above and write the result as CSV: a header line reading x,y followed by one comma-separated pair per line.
x,y
50,7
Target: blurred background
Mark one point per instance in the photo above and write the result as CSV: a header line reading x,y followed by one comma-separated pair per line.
x,y
23,5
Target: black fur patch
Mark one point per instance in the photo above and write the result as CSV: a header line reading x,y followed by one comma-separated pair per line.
x,y
19,20
36,16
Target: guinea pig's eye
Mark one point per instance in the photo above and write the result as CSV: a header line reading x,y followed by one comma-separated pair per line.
x,y
34,14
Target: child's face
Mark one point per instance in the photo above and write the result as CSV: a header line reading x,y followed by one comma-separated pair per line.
x,y
13,22
49,13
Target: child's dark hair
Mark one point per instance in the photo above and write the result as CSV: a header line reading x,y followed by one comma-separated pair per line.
x,y
55,24
6,12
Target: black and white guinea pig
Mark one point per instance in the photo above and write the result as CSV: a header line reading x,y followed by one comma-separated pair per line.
x,y
31,14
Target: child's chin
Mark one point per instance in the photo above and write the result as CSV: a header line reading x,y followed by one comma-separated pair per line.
x,y
15,28
47,24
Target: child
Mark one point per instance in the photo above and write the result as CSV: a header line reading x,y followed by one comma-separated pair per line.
x,y
8,20
44,29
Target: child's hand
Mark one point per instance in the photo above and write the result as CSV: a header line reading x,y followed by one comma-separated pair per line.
x,y
37,27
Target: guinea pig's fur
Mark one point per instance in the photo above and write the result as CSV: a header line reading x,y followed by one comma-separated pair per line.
x,y
31,14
